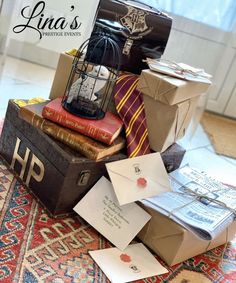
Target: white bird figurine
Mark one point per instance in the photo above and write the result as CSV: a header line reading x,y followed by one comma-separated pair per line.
x,y
89,87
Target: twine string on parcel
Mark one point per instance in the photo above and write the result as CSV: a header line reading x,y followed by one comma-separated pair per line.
x,y
178,68
200,203
203,197
200,197
179,129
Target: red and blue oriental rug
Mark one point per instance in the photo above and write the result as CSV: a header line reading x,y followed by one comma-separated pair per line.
x,y
35,248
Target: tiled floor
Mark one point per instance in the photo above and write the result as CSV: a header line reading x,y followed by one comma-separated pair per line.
x,y
200,154
20,79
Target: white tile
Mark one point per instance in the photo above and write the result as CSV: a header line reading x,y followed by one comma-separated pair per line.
x,y
211,148
23,80
28,72
198,140
21,91
2,113
211,163
4,80
228,159
231,160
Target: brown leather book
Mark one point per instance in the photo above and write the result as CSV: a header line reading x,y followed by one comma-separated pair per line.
x,y
105,130
88,147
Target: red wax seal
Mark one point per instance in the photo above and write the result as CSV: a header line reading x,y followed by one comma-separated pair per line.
x,y
142,182
125,258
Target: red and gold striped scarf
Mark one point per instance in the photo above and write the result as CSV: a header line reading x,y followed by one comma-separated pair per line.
x,y
130,107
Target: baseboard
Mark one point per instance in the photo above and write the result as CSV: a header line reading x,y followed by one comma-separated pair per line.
x,y
30,52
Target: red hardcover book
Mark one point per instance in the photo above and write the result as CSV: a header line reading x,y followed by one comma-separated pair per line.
x,y
104,130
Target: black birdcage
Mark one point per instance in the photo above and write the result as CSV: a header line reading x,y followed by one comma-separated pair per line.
x,y
90,85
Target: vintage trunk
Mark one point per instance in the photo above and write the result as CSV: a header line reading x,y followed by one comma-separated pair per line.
x,y
56,175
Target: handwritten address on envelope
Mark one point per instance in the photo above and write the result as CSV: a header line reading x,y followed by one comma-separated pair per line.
x,y
119,224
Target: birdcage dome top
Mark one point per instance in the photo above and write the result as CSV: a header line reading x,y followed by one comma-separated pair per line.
x,y
101,49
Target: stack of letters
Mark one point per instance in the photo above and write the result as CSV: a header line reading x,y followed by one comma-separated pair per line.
x,y
189,201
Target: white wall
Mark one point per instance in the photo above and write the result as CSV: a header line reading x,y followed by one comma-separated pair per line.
x,y
27,44
213,50
190,42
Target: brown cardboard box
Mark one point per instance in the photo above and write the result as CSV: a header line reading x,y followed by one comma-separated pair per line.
x,y
173,243
61,76
166,124
167,89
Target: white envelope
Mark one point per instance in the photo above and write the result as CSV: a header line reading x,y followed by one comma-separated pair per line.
x,y
100,208
125,174
134,263
180,70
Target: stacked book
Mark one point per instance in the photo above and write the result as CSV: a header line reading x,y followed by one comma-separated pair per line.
x,y
95,139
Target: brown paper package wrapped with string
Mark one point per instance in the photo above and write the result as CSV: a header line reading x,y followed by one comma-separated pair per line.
x,y
62,74
166,124
173,243
168,89
170,102
61,77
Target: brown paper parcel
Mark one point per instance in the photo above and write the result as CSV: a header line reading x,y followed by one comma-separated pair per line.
x,y
167,89
166,124
173,243
61,77
64,67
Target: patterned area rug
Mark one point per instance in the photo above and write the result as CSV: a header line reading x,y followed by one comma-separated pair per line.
x,y
35,248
